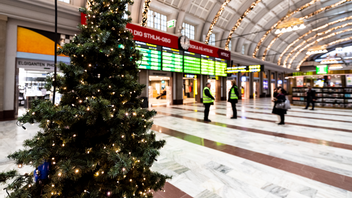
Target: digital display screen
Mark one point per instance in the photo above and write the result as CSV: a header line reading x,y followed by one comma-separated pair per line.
x,y
220,67
208,65
191,63
172,60
151,56
245,69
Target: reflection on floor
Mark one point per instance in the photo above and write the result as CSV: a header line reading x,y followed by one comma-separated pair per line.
x,y
309,157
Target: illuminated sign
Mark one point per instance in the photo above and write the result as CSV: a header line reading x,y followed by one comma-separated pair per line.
x,y
172,60
151,56
245,69
171,23
192,63
220,67
322,69
208,64
244,79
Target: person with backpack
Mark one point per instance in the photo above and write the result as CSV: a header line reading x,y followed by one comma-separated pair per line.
x,y
233,99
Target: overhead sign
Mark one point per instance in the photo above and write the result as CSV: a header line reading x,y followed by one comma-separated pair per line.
x,y
152,36
35,65
208,50
245,69
322,69
171,23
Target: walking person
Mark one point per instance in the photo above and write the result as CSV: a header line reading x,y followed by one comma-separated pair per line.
x,y
280,98
233,99
208,100
311,97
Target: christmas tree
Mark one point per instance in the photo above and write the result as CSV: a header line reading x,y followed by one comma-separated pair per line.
x,y
97,140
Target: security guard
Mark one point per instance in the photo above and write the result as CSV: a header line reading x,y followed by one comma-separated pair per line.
x,y
208,100
233,98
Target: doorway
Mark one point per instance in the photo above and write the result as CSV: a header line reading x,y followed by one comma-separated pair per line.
x,y
190,88
160,91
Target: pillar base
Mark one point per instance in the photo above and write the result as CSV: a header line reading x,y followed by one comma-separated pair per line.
x,y
7,115
177,102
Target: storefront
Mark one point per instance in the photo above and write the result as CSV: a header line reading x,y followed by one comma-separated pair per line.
x,y
34,62
190,88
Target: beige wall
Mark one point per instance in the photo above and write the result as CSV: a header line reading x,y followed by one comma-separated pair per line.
x,y
3,28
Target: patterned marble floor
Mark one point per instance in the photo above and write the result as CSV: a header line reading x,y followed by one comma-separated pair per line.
x,y
309,157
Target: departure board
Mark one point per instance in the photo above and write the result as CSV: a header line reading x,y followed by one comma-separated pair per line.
x,y
208,64
172,60
191,63
151,56
220,67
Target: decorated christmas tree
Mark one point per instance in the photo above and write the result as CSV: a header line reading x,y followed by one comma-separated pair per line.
x,y
97,141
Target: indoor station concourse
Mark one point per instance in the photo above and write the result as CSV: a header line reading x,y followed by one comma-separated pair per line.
x,y
301,46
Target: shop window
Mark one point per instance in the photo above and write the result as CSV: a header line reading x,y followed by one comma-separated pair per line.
x,y
157,20
188,30
212,40
66,1
256,75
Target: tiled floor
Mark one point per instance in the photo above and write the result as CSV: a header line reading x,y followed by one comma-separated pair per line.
x,y
311,156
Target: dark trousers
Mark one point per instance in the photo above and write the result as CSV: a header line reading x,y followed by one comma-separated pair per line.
x,y
234,110
206,111
310,101
282,116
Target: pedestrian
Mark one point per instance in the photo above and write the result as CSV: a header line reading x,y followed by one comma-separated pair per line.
x,y
275,92
233,99
280,98
208,100
311,97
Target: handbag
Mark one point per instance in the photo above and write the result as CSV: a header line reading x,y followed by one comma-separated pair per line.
x,y
283,105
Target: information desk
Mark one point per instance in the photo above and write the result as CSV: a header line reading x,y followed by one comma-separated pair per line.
x,y
208,65
191,63
151,56
172,60
220,67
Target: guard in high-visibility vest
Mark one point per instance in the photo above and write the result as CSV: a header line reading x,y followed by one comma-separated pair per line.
x,y
233,99
208,100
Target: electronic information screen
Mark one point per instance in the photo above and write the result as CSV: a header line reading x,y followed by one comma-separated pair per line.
x,y
220,67
245,69
172,60
151,56
208,65
191,63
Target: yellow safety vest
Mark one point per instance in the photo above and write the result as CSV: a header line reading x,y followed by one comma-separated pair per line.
x,y
233,95
207,99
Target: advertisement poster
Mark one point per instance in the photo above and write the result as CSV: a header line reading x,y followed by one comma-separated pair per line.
x,y
349,80
300,81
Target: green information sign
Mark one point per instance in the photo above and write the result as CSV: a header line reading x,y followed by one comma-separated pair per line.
x,y
191,63
172,60
208,65
220,67
322,69
171,23
151,56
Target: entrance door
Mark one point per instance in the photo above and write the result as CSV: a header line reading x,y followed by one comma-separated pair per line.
x,y
160,91
190,89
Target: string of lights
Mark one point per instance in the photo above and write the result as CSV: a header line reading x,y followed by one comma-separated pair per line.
x,y
215,20
329,44
306,17
145,12
309,32
239,21
318,40
277,23
311,38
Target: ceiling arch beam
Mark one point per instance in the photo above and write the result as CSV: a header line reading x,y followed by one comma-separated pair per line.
x,y
329,44
277,23
305,17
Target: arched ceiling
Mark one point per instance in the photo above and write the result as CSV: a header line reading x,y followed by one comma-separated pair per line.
x,y
246,23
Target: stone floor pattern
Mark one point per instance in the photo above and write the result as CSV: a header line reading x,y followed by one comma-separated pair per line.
x,y
309,157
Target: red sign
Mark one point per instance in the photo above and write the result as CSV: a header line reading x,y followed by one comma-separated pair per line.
x,y
208,50
152,36
83,19
167,40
